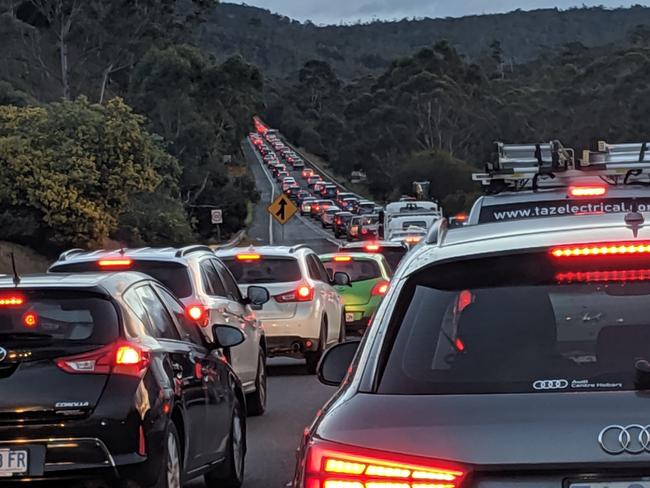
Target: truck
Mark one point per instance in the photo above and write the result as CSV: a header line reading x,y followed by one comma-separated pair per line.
x,y
402,215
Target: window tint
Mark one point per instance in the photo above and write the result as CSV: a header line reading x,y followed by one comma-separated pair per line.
x,y
158,320
190,331
232,290
321,272
506,326
264,270
393,255
358,270
211,280
77,318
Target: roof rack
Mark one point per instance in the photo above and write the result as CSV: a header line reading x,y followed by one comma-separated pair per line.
x,y
519,166
298,247
184,251
66,254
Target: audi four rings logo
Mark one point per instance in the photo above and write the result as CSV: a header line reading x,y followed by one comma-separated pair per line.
x,y
551,384
632,439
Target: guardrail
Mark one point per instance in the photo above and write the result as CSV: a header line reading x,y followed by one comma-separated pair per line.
x,y
233,242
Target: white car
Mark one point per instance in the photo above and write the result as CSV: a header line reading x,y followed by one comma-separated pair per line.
x,y
305,314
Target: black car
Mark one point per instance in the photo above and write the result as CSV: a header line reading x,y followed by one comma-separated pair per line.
x,y
105,380
340,223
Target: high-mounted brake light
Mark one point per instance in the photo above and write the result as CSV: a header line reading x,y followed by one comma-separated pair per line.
x,y
604,249
115,263
342,259
11,300
380,288
248,257
603,276
587,191
304,293
372,247
122,358
331,465
199,314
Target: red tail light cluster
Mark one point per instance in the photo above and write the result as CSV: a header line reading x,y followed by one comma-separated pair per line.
x,y
304,293
380,288
604,249
331,465
198,314
122,358
11,300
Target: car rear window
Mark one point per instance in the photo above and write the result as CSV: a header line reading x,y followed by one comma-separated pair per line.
x,y
173,275
48,317
357,269
393,255
520,324
264,270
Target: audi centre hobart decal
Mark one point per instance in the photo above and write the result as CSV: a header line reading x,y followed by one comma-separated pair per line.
x,y
575,385
630,439
558,208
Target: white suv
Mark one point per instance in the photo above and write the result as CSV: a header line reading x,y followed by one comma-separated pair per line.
x,y
305,313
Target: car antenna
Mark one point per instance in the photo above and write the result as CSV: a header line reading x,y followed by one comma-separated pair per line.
x,y
13,267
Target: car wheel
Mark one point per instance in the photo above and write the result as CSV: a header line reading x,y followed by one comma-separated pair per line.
x,y
256,401
231,474
313,357
172,467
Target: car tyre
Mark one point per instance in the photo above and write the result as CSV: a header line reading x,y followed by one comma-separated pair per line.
x,y
256,401
172,468
231,473
313,357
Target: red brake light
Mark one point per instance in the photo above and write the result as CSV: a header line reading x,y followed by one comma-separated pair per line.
x,y
465,299
11,300
372,247
604,249
601,276
115,263
121,358
304,293
461,217
30,320
199,314
248,257
331,465
587,191
380,288
342,259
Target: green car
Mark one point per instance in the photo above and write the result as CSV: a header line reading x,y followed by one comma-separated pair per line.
x,y
370,275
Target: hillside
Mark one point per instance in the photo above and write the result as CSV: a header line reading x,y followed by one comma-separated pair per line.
x,y
280,46
27,261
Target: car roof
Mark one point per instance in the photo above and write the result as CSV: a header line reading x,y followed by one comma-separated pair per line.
x,y
523,235
363,244
544,194
179,255
271,251
111,283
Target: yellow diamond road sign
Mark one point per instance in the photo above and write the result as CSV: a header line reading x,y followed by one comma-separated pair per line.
x,y
282,209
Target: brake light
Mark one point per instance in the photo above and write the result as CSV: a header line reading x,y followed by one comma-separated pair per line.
x,y
600,276
465,299
380,288
605,249
342,259
115,263
364,230
331,465
30,320
587,191
304,293
372,247
248,257
461,217
11,300
413,239
121,358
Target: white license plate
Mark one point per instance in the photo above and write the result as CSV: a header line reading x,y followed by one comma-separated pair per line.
x,y
349,317
611,484
13,462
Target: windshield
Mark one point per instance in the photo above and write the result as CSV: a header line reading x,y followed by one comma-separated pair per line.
x,y
357,269
264,270
55,317
480,328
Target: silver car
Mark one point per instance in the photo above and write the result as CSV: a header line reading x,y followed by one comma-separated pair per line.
x,y
503,355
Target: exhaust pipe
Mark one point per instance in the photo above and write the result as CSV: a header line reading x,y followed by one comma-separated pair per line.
x,y
296,347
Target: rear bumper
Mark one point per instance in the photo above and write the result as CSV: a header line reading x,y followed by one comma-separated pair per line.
x,y
361,316
290,346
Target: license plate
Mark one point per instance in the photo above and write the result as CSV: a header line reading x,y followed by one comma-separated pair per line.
x,y
349,317
13,462
611,484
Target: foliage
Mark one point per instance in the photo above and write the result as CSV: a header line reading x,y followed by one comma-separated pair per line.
x,y
69,170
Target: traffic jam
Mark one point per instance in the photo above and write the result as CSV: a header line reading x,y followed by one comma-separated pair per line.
x,y
509,347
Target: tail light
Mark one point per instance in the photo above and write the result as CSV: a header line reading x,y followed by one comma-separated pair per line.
x,y
122,358
372,247
331,465
380,288
605,249
304,293
11,300
248,257
198,314
603,276
342,259
587,191
364,231
115,263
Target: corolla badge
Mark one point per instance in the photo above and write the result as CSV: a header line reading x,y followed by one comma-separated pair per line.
x,y
3,354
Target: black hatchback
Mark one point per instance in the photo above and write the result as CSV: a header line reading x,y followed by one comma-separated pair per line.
x,y
104,379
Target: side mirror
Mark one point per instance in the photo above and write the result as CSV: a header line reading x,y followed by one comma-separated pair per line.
x,y
342,279
257,296
336,361
226,336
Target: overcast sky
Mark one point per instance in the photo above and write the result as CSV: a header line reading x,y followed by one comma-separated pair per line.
x,y
336,11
